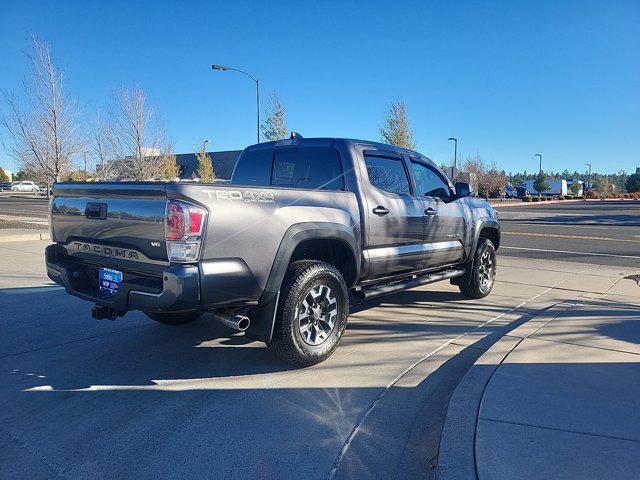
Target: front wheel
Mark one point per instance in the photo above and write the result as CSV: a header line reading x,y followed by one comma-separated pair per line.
x,y
484,271
170,318
312,313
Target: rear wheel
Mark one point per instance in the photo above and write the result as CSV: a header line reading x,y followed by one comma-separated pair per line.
x,y
483,272
171,318
312,313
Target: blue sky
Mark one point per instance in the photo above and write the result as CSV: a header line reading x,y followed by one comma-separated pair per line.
x,y
509,79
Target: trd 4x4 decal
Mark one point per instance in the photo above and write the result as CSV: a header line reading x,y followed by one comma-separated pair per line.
x,y
246,196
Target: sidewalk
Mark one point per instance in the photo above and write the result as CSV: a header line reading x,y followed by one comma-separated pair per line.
x,y
557,397
24,234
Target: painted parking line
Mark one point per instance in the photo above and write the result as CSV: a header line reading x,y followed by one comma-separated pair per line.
x,y
575,237
569,252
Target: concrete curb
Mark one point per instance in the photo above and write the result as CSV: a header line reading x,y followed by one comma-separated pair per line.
x,y
456,456
24,237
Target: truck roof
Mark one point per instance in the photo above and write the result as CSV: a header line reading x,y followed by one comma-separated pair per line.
x,y
330,141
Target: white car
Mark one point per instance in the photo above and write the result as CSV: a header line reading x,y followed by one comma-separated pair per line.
x,y
26,186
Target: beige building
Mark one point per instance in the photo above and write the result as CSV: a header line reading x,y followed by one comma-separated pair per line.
x,y
9,173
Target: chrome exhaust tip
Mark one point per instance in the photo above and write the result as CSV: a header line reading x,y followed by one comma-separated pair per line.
x,y
235,321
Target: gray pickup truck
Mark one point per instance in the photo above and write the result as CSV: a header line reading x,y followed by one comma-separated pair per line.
x,y
276,252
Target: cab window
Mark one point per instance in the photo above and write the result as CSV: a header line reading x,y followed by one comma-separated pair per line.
x,y
387,174
314,168
429,183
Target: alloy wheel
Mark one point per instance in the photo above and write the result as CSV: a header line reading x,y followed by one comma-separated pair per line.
x,y
317,315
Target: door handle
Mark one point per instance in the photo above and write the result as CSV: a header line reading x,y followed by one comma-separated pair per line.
x,y
430,211
380,210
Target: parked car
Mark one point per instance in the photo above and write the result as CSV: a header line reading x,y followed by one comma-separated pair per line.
x,y
5,186
522,191
275,252
44,190
25,186
510,191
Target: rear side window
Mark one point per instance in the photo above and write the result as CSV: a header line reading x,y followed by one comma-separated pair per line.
x,y
387,174
254,168
307,167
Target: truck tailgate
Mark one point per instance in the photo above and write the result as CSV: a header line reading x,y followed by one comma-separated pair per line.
x,y
116,215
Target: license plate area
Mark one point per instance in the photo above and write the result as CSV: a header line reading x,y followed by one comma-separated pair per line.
x,y
109,280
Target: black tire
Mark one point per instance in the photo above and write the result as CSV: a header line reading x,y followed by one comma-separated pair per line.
x,y
173,318
484,271
294,339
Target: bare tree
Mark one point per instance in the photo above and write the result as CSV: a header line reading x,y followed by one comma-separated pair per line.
x,y
45,136
136,136
275,125
396,129
495,181
102,148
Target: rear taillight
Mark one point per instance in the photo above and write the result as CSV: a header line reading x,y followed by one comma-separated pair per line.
x,y
184,225
176,221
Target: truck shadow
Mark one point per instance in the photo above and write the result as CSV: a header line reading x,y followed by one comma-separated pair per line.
x,y
133,398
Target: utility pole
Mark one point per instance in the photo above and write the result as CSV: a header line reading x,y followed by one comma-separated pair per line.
x,y
255,79
455,156
588,181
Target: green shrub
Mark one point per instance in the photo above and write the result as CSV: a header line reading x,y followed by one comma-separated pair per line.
x,y
561,197
535,199
568,197
526,199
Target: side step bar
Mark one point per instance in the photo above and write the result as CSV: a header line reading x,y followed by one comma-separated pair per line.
x,y
411,282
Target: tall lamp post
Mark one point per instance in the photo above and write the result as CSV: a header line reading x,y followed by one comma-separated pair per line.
x,y
589,180
455,155
256,80
539,155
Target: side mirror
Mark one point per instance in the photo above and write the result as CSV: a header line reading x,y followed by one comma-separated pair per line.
x,y
463,189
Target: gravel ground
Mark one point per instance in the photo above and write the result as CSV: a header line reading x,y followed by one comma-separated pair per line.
x,y
27,226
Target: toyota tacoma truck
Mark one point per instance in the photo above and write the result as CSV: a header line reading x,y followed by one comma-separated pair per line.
x,y
303,224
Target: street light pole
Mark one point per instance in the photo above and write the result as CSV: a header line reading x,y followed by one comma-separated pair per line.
x,y
589,180
539,155
257,82
455,156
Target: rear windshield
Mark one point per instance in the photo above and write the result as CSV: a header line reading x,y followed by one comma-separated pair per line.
x,y
292,167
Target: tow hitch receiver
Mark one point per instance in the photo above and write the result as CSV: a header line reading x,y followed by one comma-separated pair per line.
x,y
109,313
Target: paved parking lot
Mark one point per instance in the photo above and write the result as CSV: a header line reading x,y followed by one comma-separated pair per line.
x,y
82,398
23,205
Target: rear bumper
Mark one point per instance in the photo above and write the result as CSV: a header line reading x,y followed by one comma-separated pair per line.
x,y
175,289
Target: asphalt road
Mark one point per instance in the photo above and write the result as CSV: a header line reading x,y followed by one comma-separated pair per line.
x,y
606,233
23,205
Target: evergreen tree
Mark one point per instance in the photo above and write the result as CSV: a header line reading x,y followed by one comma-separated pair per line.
x,y
170,169
274,126
540,183
633,183
396,129
206,173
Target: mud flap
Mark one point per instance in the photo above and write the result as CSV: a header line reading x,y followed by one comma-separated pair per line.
x,y
263,319
466,278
